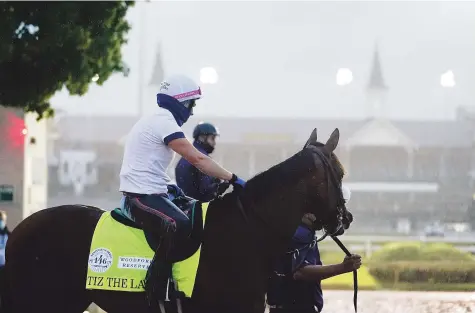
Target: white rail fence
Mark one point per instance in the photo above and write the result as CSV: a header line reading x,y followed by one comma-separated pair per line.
x,y
368,244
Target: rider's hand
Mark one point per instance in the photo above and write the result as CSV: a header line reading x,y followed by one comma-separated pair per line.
x,y
236,181
351,263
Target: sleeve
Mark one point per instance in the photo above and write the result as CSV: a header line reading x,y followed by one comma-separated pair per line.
x,y
168,129
307,256
301,259
208,186
311,257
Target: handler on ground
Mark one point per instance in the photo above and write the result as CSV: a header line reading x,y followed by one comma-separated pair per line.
x,y
295,283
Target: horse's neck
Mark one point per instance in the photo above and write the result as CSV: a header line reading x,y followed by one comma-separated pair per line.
x,y
281,213
279,196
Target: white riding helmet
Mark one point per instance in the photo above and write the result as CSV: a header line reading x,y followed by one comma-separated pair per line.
x,y
181,88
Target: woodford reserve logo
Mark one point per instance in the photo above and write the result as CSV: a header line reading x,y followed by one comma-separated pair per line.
x,y
134,263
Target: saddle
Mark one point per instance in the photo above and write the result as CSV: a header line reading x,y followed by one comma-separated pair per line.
x,y
192,208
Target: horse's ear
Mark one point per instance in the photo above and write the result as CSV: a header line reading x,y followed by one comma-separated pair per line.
x,y
312,139
332,142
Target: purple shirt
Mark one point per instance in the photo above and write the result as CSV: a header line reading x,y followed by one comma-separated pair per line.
x,y
291,292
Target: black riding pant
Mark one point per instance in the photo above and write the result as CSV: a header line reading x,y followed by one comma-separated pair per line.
x,y
158,215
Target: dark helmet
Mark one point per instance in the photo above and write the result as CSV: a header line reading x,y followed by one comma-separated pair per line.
x,y
205,129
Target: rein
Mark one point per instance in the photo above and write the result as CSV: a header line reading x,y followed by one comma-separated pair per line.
x,y
355,272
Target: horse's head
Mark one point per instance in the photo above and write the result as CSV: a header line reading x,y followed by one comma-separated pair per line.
x,y
328,203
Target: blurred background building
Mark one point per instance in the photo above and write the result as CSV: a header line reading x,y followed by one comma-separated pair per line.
x,y
404,174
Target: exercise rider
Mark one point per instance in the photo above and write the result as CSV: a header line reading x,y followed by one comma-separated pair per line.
x,y
148,152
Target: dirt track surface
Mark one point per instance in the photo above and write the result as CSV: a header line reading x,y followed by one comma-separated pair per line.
x,y
400,302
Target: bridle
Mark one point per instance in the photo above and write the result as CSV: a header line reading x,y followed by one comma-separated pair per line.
x,y
332,180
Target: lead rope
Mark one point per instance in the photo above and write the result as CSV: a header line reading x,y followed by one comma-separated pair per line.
x,y
355,273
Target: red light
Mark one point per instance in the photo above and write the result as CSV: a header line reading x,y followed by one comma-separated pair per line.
x,y
16,130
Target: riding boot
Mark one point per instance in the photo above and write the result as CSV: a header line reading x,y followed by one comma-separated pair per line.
x,y
159,272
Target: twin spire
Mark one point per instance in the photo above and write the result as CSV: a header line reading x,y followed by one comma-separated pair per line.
x,y
376,79
158,73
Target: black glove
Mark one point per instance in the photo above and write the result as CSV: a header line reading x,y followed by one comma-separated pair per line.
x,y
236,181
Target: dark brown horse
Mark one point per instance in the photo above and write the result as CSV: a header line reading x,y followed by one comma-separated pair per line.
x,y
47,253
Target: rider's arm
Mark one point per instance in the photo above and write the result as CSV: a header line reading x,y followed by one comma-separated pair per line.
x,y
183,147
173,136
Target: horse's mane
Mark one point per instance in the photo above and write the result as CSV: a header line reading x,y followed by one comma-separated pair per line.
x,y
286,173
281,176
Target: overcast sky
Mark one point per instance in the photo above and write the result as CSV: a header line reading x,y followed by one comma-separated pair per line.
x,y
279,59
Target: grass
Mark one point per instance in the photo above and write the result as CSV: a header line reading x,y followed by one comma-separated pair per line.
x,y
367,282
345,281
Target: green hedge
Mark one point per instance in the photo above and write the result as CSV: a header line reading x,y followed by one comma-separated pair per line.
x,y
422,263
417,251
424,272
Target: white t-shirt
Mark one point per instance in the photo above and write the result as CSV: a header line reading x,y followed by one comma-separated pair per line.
x,y
146,154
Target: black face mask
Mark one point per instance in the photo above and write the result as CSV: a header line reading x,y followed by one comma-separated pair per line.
x,y
207,147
